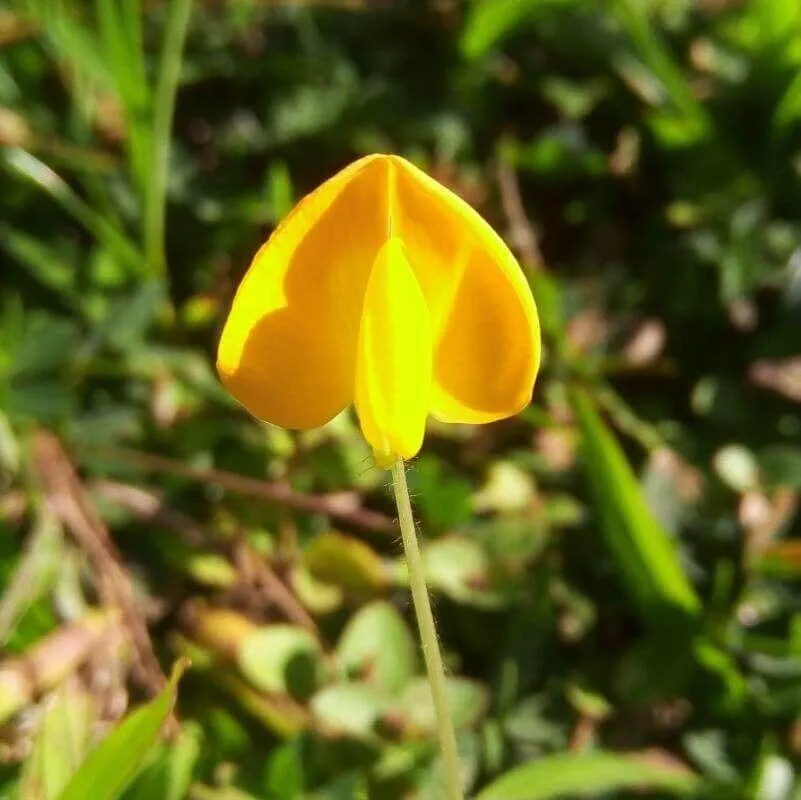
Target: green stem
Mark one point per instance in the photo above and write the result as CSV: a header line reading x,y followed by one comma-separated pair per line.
x,y
428,633
164,105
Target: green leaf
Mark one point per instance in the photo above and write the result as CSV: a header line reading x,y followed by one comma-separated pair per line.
x,y
460,568
441,496
591,775
169,74
280,192
347,563
281,658
168,774
48,343
468,702
62,740
780,465
129,319
284,776
350,709
489,21
44,263
633,15
120,35
378,648
646,557
113,763
27,167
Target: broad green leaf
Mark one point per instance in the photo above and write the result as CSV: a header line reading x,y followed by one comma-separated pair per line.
x,y
113,763
431,785
507,488
736,466
646,557
347,563
460,568
350,786
284,774
377,647
591,775
317,596
281,658
468,702
350,709
442,496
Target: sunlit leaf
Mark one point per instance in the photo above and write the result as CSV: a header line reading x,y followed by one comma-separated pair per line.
x,y
114,762
591,775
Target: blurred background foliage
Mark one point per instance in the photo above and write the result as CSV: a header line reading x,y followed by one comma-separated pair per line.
x,y
615,571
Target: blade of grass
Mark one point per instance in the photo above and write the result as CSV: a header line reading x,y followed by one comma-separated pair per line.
x,y
109,768
633,16
120,28
73,44
489,21
69,40
32,574
163,108
29,168
645,555
788,109
43,263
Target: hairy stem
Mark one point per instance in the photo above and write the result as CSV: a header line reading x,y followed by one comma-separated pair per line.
x,y
428,633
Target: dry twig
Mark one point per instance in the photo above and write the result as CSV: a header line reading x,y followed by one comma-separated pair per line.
x,y
25,677
343,507
65,495
147,505
521,233
265,583
253,569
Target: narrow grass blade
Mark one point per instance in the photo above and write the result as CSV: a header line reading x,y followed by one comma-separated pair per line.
x,y
163,108
489,21
108,769
633,16
645,555
68,38
26,166
120,28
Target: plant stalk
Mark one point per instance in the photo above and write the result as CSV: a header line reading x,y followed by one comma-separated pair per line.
x,y
163,107
428,634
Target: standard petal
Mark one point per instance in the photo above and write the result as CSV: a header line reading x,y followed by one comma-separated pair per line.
x,y
288,349
484,321
393,373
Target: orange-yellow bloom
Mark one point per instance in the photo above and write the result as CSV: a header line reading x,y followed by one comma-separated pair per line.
x,y
385,290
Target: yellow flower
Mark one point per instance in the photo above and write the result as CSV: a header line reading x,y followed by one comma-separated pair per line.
x,y
385,290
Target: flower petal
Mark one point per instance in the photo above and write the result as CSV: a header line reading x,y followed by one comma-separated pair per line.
x,y
393,372
288,349
484,321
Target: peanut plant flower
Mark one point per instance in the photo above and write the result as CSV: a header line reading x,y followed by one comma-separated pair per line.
x,y
385,290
